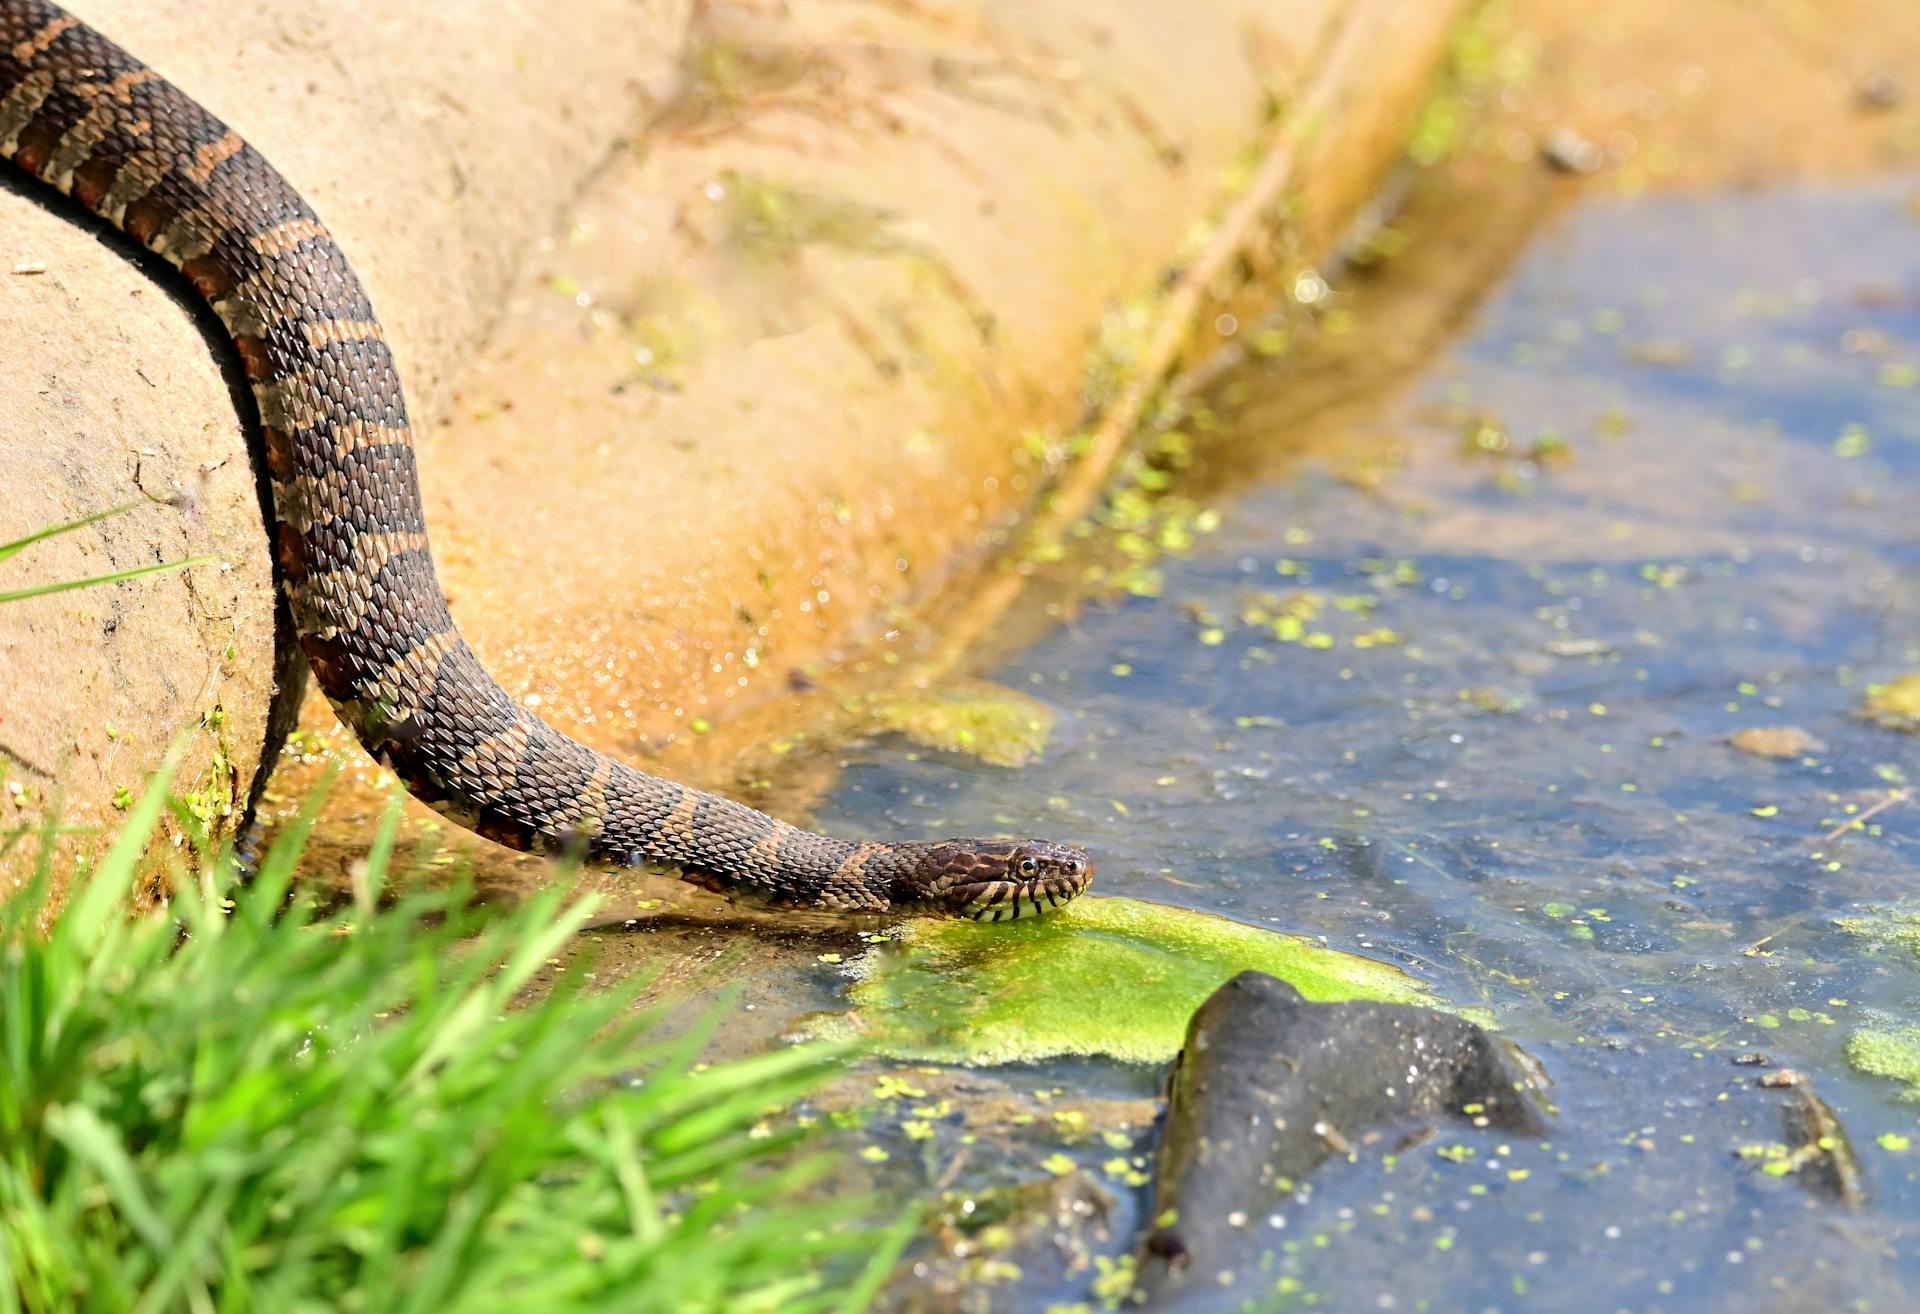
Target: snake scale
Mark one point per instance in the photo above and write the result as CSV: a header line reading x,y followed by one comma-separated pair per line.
x,y
89,120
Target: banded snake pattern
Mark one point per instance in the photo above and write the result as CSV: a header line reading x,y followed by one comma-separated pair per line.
x,y
92,122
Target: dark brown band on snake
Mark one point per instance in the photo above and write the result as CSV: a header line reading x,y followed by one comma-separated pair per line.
x,y
89,120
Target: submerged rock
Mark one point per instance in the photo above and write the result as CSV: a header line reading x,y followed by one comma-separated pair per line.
x,y
1009,1251
1822,1157
1267,1088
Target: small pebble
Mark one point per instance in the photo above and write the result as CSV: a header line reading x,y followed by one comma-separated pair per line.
x,y
1879,91
1566,150
1774,741
1579,648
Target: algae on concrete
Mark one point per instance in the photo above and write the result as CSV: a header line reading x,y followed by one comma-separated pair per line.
x,y
1115,977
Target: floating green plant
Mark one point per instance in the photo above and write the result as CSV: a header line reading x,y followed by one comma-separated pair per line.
x,y
1887,927
1888,1046
1895,704
1892,1052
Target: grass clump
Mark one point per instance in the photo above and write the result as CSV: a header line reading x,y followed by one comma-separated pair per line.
x,y
254,1103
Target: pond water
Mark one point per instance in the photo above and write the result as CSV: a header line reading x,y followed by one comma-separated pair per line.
x,y
1462,700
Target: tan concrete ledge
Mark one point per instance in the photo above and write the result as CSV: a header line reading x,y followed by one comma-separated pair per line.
x,y
769,388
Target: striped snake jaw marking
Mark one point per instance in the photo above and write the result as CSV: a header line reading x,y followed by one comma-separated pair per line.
x,y
999,880
95,124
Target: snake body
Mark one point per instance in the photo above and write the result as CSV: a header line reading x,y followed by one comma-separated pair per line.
x,y
91,121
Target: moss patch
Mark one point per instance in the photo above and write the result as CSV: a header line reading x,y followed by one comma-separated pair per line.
x,y
215,799
997,725
1103,976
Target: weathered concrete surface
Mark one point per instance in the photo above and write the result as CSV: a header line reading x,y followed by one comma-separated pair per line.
x,y
434,142
1718,92
765,395
773,381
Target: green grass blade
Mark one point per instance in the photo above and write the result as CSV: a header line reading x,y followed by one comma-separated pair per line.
x,y
893,1242
61,586
51,531
643,1210
369,879
97,1145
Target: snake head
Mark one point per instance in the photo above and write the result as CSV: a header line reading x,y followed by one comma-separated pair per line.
x,y
999,880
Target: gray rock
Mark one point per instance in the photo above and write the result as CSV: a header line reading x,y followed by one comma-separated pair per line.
x,y
1270,1086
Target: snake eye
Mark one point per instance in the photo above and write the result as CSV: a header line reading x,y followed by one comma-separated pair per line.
x,y
1028,866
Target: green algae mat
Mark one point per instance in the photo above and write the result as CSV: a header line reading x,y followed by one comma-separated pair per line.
x,y
1114,977
999,726
1888,1045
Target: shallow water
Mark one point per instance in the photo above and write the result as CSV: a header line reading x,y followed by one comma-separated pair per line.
x,y
1497,753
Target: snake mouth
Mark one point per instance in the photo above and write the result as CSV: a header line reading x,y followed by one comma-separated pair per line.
x,y
1006,901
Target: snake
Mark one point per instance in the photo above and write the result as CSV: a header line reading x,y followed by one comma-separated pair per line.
x,y
350,549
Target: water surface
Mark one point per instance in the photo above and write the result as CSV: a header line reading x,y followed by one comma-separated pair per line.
x,y
1461,699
